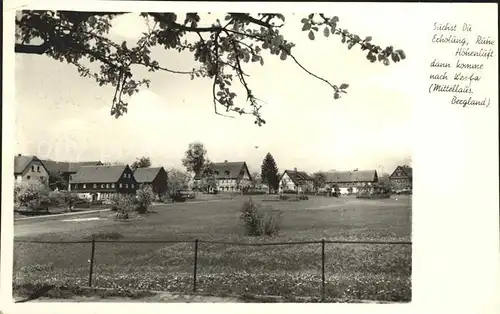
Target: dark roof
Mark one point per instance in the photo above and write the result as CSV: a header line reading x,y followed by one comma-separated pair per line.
x,y
351,176
146,174
66,166
21,162
297,177
226,170
98,174
407,170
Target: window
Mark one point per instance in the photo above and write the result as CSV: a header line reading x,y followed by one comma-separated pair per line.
x,y
107,186
38,168
112,185
121,185
95,186
28,177
125,175
132,185
102,186
32,168
84,186
126,186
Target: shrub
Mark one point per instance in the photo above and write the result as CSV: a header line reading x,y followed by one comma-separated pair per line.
x,y
33,196
258,222
284,197
64,199
145,197
303,197
125,203
254,192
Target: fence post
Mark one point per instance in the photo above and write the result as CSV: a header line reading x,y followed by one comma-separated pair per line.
x,y
91,262
195,264
323,270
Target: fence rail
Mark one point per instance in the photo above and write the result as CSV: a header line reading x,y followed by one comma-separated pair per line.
x,y
196,243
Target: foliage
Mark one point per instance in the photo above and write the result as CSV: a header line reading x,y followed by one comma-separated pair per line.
x,y
319,179
255,180
125,205
269,172
303,197
208,180
250,192
336,191
143,162
221,49
64,198
57,181
177,180
258,222
375,191
34,196
195,157
103,235
145,197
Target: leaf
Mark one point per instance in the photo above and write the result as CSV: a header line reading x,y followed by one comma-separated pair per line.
x,y
283,55
326,32
335,19
311,15
311,35
304,20
344,86
395,57
386,62
369,38
336,96
306,27
401,54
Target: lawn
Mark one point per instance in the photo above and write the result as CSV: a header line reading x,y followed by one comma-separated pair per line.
x,y
353,271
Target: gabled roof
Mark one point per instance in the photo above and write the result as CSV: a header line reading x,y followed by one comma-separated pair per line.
x,y
146,175
67,166
407,170
297,177
98,174
21,162
351,176
227,170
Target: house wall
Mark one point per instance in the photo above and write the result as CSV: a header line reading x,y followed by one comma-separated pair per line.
x,y
35,172
160,183
399,180
286,183
127,183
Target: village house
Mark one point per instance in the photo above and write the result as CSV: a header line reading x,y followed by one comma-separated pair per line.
x,y
402,178
230,176
350,180
155,177
65,169
30,169
103,182
293,180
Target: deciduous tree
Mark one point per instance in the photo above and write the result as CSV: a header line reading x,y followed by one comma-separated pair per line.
x,y
221,49
143,162
195,157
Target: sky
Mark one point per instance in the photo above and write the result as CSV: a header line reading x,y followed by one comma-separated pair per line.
x,y
62,116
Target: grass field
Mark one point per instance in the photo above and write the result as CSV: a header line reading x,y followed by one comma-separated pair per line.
x,y
353,271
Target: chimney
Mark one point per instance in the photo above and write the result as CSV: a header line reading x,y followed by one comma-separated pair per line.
x,y
18,155
225,161
295,169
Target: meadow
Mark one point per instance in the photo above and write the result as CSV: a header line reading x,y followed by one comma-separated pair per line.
x,y
353,271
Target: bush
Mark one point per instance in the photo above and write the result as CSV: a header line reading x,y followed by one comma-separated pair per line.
x,y
33,196
303,197
254,192
125,203
64,199
145,197
258,222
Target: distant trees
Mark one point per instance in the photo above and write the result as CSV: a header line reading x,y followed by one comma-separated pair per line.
x,y
207,177
57,181
143,162
269,173
319,180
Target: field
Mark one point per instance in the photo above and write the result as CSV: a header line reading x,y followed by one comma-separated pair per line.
x,y
353,271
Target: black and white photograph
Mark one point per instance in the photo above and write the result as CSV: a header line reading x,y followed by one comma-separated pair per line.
x,y
219,156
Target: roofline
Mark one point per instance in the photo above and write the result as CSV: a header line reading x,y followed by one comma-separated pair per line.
x,y
32,158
